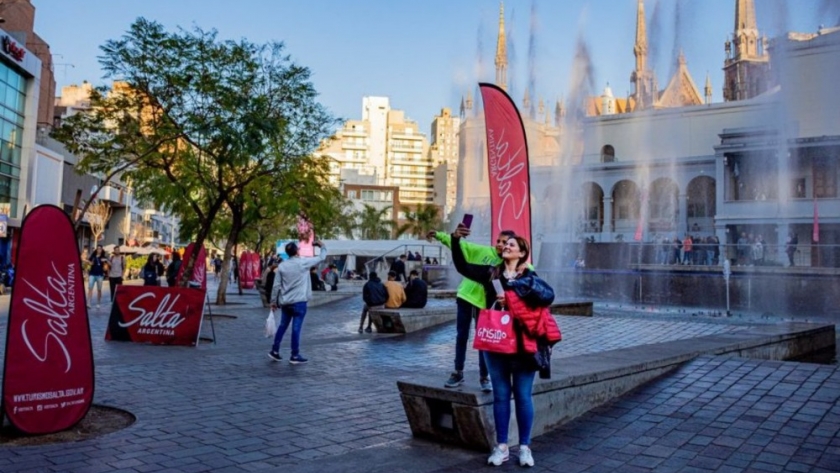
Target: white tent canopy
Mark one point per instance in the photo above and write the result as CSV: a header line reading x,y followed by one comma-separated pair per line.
x,y
376,248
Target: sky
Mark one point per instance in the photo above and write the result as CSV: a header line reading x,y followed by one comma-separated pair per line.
x,y
427,54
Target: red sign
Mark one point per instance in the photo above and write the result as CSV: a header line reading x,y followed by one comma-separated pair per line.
x,y
507,155
249,269
199,278
48,375
12,49
157,315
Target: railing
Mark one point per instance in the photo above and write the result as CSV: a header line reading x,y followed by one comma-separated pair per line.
x,y
702,254
435,251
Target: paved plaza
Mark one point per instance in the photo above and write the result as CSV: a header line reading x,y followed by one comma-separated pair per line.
x,y
226,407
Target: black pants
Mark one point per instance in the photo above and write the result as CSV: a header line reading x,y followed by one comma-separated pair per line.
x,y
112,284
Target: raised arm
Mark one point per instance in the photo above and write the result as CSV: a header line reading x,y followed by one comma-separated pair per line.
x,y
479,273
315,260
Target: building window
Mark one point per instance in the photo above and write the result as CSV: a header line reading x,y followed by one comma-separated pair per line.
x,y
825,177
351,194
607,154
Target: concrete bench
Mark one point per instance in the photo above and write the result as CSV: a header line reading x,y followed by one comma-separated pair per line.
x,y
410,320
464,416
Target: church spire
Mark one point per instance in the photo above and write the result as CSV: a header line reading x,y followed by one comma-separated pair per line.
x,y
640,48
746,30
501,51
644,83
708,89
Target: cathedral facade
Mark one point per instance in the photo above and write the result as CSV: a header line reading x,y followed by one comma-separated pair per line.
x,y
666,163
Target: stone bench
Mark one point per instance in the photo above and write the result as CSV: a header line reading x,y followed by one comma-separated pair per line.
x,y
410,320
464,416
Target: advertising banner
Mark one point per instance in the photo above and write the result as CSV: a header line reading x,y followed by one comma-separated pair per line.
x,y
156,315
249,269
199,278
507,157
48,370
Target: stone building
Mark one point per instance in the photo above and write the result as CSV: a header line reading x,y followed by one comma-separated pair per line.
x,y
666,163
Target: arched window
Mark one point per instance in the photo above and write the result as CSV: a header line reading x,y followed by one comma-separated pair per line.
x,y
607,154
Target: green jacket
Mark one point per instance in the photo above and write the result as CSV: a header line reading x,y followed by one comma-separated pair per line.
x,y
474,253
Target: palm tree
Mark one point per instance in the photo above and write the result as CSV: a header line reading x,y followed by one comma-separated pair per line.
x,y
375,224
420,221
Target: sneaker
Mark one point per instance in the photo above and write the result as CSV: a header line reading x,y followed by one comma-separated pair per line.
x,y
525,457
486,386
274,356
455,379
499,456
360,330
297,359
368,330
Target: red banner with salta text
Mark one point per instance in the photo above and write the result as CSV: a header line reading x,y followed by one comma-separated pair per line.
x,y
507,158
156,315
48,377
249,269
199,277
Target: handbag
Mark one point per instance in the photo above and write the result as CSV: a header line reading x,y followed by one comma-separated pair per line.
x,y
270,325
494,332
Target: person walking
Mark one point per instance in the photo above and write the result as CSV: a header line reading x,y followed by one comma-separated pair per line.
x,y
375,296
398,268
116,271
469,299
172,269
291,291
512,374
150,272
96,274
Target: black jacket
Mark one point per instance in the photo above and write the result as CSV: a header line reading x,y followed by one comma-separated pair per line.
x,y
374,293
416,294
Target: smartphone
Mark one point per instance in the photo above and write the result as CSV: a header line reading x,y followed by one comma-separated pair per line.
x,y
467,222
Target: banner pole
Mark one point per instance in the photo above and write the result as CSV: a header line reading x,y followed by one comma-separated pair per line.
x,y
210,315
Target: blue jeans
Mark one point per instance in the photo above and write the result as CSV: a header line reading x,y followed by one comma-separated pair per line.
x,y
466,314
507,379
294,314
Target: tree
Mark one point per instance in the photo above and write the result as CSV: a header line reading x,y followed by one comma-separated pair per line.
x,y
98,215
420,221
375,224
198,120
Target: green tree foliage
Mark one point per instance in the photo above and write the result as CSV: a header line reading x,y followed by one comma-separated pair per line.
x,y
420,221
373,223
199,122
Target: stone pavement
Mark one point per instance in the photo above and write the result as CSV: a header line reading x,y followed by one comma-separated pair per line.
x,y
226,407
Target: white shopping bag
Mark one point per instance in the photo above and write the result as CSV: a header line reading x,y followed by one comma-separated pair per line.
x,y
270,324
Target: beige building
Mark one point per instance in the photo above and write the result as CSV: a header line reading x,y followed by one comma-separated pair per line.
x,y
386,146
443,153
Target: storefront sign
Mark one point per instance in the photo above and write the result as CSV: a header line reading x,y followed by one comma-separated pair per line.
x,y
48,377
156,315
11,48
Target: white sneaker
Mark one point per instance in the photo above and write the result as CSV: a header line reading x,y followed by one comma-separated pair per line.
x,y
525,457
499,456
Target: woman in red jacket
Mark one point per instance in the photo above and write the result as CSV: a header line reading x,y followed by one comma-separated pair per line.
x,y
510,374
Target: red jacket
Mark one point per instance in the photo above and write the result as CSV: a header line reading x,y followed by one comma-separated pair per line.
x,y
535,324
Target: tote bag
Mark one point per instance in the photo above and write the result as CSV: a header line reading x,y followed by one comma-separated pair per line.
x,y
494,332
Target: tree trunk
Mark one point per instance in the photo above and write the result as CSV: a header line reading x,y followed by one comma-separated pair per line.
x,y
221,298
233,237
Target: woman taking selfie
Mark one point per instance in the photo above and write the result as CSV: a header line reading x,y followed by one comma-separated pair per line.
x,y
525,296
